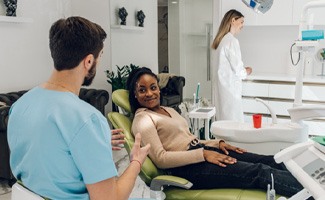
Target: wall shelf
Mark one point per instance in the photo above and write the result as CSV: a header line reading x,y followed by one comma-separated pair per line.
x,y
124,27
15,19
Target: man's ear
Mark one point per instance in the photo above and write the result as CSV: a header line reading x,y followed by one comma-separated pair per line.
x,y
89,60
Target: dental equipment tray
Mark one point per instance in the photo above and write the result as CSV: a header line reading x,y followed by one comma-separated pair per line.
x,y
204,110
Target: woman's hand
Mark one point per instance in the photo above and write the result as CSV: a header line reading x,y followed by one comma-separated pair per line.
x,y
139,153
218,158
248,70
117,139
225,147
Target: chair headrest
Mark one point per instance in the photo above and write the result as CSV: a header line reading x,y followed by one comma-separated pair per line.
x,y
121,98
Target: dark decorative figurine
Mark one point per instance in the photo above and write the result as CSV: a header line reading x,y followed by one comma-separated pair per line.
x,y
11,7
122,13
140,17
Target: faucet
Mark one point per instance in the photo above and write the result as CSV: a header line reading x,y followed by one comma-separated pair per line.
x,y
273,115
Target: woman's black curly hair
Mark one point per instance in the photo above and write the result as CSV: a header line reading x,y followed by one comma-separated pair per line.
x,y
131,85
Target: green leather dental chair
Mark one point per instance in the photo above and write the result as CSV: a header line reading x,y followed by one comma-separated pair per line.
x,y
164,186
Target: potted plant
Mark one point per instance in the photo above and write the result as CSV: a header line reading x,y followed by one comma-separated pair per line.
x,y
118,79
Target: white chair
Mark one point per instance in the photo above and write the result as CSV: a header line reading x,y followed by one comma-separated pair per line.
x,y
19,192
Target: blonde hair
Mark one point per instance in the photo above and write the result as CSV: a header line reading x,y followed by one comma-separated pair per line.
x,y
225,26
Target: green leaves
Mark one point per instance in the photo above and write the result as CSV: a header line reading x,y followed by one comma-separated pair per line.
x,y
118,79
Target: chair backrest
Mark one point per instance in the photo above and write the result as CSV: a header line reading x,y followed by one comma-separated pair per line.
x,y
120,98
118,120
19,192
148,170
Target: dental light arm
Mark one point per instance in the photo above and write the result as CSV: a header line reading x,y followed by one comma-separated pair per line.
x,y
304,46
303,25
259,6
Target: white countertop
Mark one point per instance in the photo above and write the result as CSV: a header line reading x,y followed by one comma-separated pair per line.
x,y
284,77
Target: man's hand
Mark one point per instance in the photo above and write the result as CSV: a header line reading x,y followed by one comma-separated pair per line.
x,y
225,147
218,158
117,139
139,153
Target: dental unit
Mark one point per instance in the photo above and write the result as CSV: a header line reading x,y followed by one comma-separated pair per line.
x,y
303,157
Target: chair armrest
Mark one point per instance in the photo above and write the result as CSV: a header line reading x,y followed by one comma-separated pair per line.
x,y
166,180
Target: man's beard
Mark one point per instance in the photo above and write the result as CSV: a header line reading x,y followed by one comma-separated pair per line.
x,y
91,75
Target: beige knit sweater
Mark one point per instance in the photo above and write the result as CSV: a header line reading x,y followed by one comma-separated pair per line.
x,y
169,138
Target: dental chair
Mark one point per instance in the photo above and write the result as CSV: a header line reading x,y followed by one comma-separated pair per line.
x,y
164,186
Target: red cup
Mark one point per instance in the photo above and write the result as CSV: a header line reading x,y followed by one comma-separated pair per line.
x,y
257,120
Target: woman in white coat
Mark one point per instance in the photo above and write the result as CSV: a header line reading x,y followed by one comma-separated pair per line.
x,y
229,69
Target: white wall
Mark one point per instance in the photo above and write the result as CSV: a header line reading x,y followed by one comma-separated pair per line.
x,y
267,49
130,46
24,53
99,14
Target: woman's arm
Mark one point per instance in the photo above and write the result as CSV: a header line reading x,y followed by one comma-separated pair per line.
x,y
233,54
143,124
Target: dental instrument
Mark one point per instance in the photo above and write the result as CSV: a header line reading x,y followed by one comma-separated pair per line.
x,y
197,92
272,191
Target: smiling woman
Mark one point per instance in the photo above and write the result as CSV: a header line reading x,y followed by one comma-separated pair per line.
x,y
207,164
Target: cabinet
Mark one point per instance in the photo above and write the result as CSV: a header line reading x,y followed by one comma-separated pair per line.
x,y
279,95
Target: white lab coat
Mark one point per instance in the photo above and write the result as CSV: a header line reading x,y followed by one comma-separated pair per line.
x,y
228,72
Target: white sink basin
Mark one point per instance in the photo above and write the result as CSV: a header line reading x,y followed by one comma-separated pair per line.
x,y
245,132
269,139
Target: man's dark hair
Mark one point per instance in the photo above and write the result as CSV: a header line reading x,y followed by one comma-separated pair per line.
x,y
72,39
131,85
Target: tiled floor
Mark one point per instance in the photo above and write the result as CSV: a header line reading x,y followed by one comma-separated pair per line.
x,y
5,191
121,159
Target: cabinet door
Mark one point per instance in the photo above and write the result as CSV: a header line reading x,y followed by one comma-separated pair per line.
x,y
279,14
309,92
317,13
282,91
313,93
255,89
250,15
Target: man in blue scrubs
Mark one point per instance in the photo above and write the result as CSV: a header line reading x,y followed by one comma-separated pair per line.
x,y
60,145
